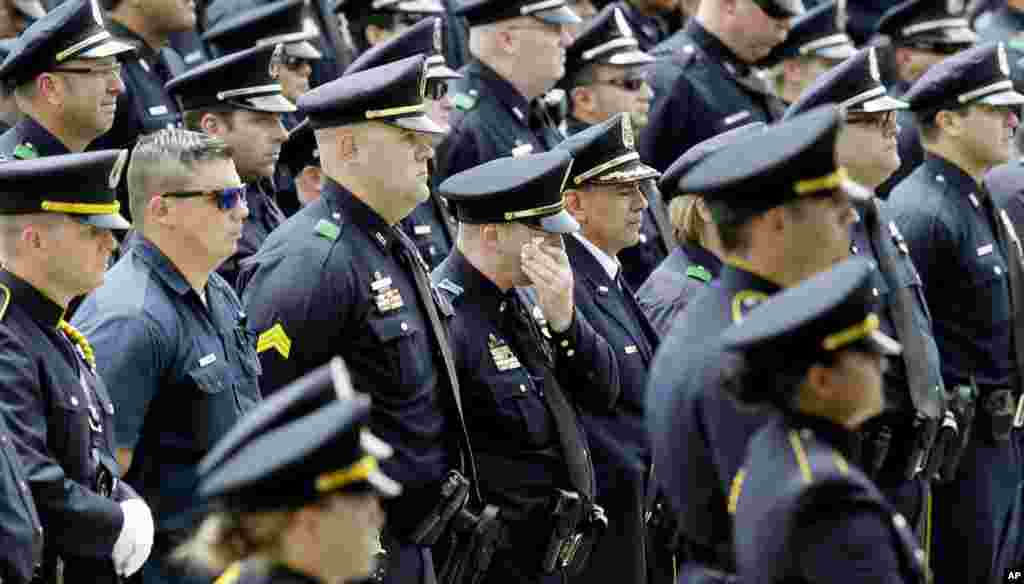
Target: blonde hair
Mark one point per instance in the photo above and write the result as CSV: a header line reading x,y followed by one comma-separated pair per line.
x,y
687,222
226,537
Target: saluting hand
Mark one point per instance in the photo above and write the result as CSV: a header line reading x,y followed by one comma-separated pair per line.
x,y
549,271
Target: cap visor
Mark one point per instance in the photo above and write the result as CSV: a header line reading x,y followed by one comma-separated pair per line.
x,y
883,343
111,47
109,221
837,53
884,103
630,58
442,72
855,191
419,124
276,103
1003,98
561,222
302,50
30,8
956,36
560,15
628,173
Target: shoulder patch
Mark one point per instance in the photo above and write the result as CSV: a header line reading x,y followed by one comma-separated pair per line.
x,y
275,338
449,286
5,300
325,228
464,101
25,151
698,272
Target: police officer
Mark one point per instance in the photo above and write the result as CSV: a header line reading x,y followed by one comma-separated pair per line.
x,y
697,259
968,261
604,196
705,82
300,502
66,80
650,19
525,365
517,50
169,335
236,98
804,510
922,33
430,224
300,160
366,294
784,214
373,22
55,223
816,43
896,445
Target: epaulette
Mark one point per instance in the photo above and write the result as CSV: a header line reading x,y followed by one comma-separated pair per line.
x,y
5,300
466,101
698,272
451,287
25,151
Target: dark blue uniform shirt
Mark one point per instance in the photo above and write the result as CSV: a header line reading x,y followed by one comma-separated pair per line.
x,y
715,92
677,281
181,372
28,139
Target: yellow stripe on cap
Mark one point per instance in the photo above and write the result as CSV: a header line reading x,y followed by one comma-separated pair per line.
x,y
359,471
230,576
82,208
545,210
824,183
851,334
395,111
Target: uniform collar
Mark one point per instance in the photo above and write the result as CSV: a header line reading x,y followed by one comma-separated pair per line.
x,y
574,125
359,214
286,575
504,91
948,174
716,49
610,264
475,285
33,134
160,264
28,298
836,436
700,255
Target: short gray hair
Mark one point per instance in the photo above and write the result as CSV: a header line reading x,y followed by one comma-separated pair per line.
x,y
165,160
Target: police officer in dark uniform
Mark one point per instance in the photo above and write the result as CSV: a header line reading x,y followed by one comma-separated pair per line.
x,y
897,444
170,337
921,33
804,510
375,21
696,261
62,64
783,215
315,479
56,217
705,81
492,116
525,364
968,258
236,98
430,224
300,160
604,195
364,292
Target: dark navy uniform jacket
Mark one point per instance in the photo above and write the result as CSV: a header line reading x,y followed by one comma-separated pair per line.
x,y
490,120
805,513
677,281
715,92
21,533
515,437
312,293
618,438
34,139
62,423
180,372
699,434
264,217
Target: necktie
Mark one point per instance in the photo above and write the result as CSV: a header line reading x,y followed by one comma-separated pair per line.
x,y
415,264
522,330
914,350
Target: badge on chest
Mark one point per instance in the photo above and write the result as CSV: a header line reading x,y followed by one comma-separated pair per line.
x,y
501,353
386,296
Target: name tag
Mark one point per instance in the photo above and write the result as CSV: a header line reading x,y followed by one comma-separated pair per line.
x,y
421,230
158,110
730,120
522,150
204,361
630,349
985,250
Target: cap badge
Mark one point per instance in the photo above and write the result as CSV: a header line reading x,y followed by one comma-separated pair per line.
x,y
842,17
1004,62
115,172
275,58
876,73
627,132
622,24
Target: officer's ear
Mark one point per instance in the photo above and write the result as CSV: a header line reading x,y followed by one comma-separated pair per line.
x,y
346,148
574,205
157,209
819,385
490,234
211,124
949,122
49,88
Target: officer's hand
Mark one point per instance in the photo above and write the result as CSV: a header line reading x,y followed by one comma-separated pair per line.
x,y
548,268
136,538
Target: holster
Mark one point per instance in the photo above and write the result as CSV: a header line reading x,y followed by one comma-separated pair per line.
x,y
962,404
476,537
999,407
578,527
452,496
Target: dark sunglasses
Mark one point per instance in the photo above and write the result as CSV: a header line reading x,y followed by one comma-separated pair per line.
x,y
632,84
226,198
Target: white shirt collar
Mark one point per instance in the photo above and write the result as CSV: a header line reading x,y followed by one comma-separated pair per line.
x,y
609,263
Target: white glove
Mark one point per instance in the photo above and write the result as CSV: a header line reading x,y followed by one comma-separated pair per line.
x,y
136,538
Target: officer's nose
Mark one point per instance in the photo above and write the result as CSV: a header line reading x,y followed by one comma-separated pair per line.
x,y
1012,119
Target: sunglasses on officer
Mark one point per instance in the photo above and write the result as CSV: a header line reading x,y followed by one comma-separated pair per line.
x,y
227,198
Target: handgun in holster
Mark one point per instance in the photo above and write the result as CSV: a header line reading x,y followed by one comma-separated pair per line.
x,y
946,437
925,430
567,514
1001,406
480,535
963,404
453,494
590,532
